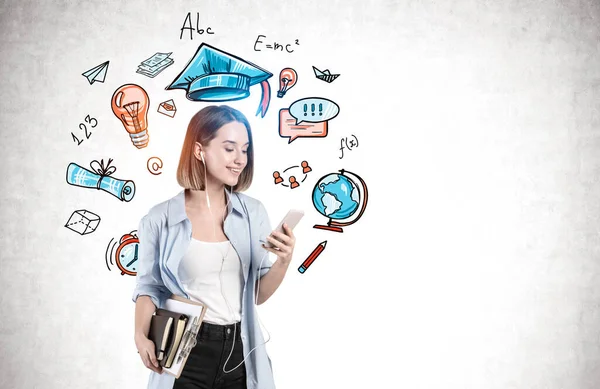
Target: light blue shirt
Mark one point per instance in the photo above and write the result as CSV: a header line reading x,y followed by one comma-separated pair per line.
x,y
165,234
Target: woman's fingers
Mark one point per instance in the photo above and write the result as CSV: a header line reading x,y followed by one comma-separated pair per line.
x,y
272,250
149,359
283,242
145,358
288,231
280,245
269,249
153,359
281,237
288,238
153,363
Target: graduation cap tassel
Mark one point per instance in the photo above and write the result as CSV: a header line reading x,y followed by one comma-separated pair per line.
x,y
265,98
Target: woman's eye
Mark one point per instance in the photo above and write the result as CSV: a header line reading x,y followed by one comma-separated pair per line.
x,y
229,150
245,151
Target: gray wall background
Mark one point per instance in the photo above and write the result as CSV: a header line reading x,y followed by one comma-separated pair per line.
x,y
477,262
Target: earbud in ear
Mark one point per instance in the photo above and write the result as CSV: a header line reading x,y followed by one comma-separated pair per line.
x,y
202,156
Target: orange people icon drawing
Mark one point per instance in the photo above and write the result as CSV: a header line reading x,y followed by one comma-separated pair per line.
x,y
277,177
293,182
305,167
289,175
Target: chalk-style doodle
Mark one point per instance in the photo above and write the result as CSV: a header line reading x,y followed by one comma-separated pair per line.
x,y
124,252
152,66
325,75
199,31
291,173
340,198
287,79
130,104
311,258
89,120
83,222
349,145
99,178
214,75
167,108
97,73
154,165
293,122
275,46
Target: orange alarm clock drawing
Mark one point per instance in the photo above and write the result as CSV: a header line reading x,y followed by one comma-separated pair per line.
x,y
126,255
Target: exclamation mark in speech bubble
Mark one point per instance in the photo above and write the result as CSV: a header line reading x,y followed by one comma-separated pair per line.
x,y
299,108
295,122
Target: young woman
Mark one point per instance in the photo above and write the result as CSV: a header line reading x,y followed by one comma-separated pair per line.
x,y
204,244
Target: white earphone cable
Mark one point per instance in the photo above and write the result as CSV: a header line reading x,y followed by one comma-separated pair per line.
x,y
221,270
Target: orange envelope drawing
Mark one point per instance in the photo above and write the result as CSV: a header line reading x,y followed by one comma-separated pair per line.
x,y
167,108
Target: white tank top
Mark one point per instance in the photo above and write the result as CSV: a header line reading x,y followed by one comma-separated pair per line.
x,y
199,273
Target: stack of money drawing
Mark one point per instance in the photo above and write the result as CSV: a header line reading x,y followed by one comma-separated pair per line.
x,y
155,64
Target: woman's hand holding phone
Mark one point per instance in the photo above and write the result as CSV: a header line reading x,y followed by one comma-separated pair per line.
x,y
281,241
292,218
282,244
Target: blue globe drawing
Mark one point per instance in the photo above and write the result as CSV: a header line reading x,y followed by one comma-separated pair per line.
x,y
336,196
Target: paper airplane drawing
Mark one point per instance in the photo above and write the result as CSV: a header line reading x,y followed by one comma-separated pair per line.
x,y
97,73
325,75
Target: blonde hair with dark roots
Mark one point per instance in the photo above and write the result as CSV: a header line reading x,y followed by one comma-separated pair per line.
x,y
203,128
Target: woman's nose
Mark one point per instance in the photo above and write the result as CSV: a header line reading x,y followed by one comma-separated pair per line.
x,y
240,158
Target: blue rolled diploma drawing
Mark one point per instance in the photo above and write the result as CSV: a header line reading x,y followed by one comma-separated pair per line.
x,y
124,190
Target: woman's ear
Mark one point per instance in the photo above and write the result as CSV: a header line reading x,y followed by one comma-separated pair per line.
x,y
198,152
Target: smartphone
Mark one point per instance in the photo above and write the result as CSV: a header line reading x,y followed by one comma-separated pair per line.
x,y
291,218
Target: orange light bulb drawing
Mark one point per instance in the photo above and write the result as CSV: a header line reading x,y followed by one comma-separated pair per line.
x,y
130,104
287,79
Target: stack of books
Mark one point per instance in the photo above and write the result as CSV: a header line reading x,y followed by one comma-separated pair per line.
x,y
171,329
166,331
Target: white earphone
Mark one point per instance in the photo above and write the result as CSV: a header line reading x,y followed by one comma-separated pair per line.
x,y
220,271
205,191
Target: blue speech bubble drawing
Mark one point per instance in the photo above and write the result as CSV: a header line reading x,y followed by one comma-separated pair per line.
x,y
314,110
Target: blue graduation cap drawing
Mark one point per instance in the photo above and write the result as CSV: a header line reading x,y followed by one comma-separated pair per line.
x,y
214,75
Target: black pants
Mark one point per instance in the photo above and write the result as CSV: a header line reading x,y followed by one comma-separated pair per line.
x,y
204,367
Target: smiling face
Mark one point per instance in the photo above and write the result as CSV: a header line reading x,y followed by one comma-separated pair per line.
x,y
224,135
226,155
